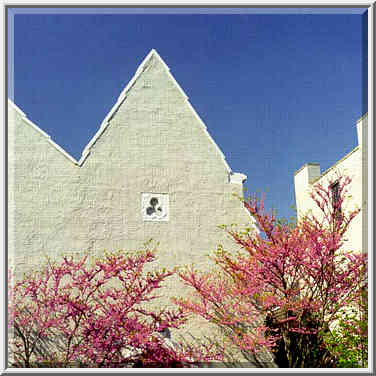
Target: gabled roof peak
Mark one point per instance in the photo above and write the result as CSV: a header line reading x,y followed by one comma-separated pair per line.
x,y
149,56
146,63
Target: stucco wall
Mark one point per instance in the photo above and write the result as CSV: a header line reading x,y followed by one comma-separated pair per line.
x,y
353,165
151,142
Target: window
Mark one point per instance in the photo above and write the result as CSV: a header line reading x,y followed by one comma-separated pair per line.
x,y
334,189
154,206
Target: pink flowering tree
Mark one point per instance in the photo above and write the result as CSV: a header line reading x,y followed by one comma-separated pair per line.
x,y
76,313
285,289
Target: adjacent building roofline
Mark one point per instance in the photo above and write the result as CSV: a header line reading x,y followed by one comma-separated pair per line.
x,y
334,165
306,165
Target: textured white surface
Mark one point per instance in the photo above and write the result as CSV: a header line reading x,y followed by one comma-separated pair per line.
x,y
152,142
238,178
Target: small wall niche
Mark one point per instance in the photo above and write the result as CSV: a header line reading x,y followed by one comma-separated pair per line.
x,y
154,207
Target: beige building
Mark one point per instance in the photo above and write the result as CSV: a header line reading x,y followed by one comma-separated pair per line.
x,y
354,165
151,171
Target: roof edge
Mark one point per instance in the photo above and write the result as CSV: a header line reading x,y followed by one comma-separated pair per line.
x,y
43,133
104,124
141,68
306,165
335,165
362,117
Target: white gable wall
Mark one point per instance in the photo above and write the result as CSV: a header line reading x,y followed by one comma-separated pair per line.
x,y
41,180
153,142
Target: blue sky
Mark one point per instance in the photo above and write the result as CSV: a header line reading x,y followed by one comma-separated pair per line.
x,y
275,90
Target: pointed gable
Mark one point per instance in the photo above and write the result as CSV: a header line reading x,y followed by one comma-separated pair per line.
x,y
152,144
151,171
154,100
